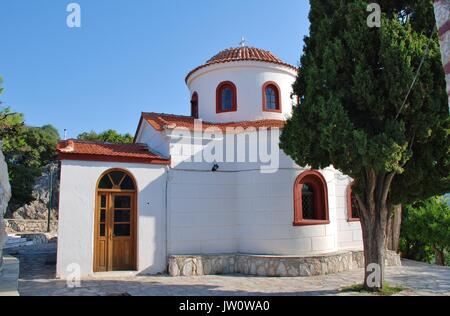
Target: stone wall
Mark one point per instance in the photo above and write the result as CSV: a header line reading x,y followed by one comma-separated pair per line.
x,y
5,195
271,266
29,226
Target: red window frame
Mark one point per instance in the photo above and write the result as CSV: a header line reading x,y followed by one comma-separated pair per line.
x,y
277,90
350,217
220,88
319,185
194,105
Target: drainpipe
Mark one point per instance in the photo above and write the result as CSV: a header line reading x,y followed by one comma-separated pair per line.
x,y
167,216
50,196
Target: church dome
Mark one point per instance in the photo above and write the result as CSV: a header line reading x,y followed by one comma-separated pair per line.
x,y
242,53
242,84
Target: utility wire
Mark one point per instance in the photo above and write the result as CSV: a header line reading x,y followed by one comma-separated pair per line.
x,y
417,73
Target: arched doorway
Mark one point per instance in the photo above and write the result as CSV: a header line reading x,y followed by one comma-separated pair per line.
x,y
115,222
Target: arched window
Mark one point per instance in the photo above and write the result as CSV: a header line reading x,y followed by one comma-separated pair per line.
x,y
271,97
194,105
226,97
310,199
352,205
116,180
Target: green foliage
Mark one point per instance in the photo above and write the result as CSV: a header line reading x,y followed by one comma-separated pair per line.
x,y
10,123
27,150
426,230
108,136
352,84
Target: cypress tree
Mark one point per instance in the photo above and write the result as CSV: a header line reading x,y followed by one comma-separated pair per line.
x,y
354,115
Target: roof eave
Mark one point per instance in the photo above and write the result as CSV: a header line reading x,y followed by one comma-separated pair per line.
x,y
107,158
189,75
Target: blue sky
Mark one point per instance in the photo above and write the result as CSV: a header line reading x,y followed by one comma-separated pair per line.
x,y
129,56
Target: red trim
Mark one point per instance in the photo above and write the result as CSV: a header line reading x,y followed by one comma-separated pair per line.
x,y
444,28
316,180
242,54
447,68
311,222
220,88
194,105
161,122
106,158
277,90
350,217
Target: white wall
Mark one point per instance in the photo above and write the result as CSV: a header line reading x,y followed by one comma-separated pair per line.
x,y
201,212
349,233
154,139
77,209
246,212
266,215
224,212
249,78
239,209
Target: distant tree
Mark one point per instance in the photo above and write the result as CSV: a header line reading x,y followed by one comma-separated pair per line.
x,y
10,122
108,136
27,150
26,153
426,231
354,114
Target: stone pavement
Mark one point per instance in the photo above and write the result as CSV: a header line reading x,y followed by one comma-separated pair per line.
x,y
37,270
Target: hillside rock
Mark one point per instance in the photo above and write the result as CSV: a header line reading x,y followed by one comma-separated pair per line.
x,y
38,208
5,195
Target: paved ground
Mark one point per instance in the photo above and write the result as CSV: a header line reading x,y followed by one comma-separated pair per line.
x,y
37,270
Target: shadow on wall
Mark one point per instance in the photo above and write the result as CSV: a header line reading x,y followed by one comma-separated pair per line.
x,y
153,223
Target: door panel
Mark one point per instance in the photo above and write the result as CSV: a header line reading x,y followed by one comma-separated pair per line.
x,y
101,231
122,231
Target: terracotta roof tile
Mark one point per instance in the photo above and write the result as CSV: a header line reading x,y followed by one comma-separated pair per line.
x,y
160,122
242,54
83,150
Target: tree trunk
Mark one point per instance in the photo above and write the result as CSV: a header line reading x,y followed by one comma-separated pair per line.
x,y
393,228
374,213
440,256
374,238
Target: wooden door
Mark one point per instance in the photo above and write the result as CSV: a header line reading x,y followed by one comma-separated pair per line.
x,y
115,246
122,245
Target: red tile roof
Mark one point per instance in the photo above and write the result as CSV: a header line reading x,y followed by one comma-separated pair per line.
x,y
97,151
242,54
161,122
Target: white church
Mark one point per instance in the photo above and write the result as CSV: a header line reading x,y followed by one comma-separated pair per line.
x,y
209,193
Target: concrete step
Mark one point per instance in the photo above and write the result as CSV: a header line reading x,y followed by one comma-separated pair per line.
x,y
18,245
15,241
13,237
